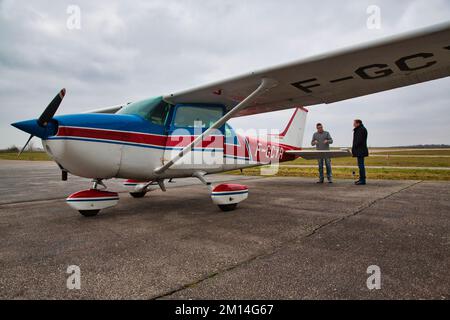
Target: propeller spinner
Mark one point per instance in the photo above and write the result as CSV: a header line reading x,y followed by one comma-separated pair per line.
x,y
43,120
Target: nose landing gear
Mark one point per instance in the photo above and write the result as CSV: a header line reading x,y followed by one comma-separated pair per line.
x,y
89,202
226,195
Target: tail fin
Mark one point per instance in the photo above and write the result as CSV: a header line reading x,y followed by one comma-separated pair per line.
x,y
293,133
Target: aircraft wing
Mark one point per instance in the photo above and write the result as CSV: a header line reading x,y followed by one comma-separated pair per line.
x,y
392,63
319,154
111,109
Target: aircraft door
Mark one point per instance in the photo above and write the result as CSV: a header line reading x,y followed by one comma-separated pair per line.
x,y
188,122
143,154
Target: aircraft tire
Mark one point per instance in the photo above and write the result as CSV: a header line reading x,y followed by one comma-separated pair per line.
x,y
227,207
89,213
138,194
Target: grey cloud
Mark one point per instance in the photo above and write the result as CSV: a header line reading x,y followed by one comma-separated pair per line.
x,y
135,49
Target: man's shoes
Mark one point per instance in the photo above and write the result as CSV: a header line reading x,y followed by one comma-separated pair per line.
x,y
330,181
360,183
320,181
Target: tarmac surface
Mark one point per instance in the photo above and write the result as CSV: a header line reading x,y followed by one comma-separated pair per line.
x,y
292,239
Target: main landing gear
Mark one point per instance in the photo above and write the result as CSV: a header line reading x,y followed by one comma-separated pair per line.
x,y
138,189
226,195
140,194
89,202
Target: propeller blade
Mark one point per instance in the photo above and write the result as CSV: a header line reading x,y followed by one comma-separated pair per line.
x,y
28,141
51,109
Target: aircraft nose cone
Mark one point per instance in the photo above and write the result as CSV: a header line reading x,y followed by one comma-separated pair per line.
x,y
32,127
29,126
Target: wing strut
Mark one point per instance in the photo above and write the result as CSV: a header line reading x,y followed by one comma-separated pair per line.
x,y
266,85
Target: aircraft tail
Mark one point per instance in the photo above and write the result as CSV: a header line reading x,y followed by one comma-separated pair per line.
x,y
292,135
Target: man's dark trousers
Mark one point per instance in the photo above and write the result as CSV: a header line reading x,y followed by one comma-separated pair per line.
x,y
360,150
362,169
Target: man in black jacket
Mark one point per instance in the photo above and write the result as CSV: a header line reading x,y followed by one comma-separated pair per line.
x,y
359,149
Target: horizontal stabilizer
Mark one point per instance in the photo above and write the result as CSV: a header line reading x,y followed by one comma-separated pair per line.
x,y
319,154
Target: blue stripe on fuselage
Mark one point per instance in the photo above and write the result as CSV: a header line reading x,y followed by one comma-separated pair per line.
x,y
121,122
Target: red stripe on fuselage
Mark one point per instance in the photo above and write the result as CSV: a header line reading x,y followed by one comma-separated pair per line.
x,y
182,141
257,147
141,138
267,151
112,135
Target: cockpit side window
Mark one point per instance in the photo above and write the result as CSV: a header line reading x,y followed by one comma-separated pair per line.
x,y
188,115
230,135
228,131
154,110
159,114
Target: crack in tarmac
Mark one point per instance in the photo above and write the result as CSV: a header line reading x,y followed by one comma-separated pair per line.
x,y
361,209
281,246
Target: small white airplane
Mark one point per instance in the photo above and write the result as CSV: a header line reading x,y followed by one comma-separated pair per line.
x,y
149,141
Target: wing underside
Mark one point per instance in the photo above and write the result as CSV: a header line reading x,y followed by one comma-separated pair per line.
x,y
111,109
393,63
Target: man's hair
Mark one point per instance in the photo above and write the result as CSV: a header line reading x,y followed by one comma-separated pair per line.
x,y
319,124
358,121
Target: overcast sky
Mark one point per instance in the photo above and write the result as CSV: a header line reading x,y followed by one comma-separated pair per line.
x,y
130,50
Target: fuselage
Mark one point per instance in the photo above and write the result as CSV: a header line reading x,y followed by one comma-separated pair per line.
x,y
115,146
141,138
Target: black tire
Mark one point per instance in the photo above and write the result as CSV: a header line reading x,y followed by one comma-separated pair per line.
x,y
89,213
227,207
138,194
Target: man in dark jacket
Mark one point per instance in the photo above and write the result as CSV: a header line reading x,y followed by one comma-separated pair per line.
x,y
359,149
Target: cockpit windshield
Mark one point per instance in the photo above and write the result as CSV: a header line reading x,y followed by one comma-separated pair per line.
x,y
154,110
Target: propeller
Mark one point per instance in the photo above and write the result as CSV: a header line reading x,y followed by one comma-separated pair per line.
x,y
47,115
28,141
